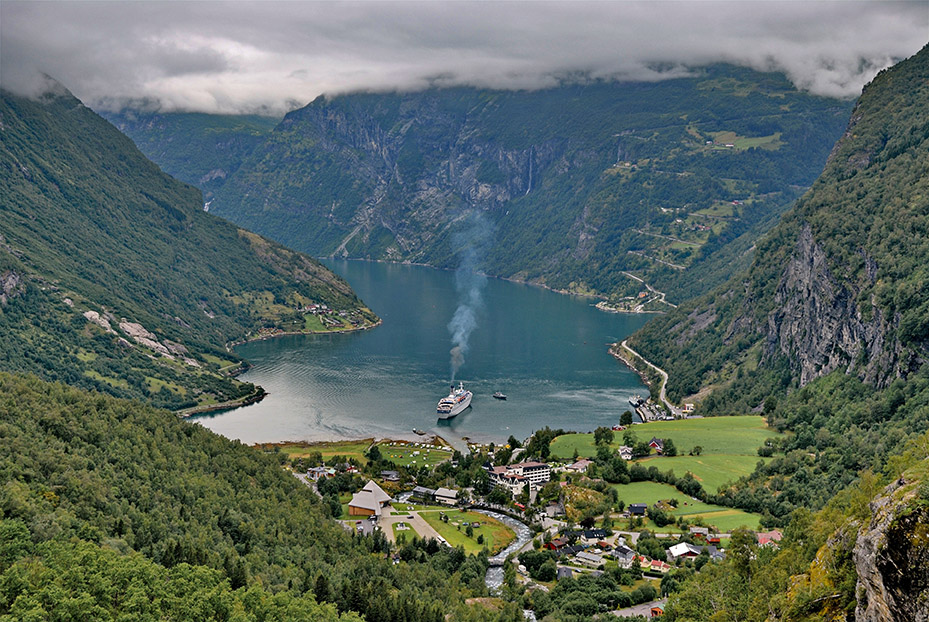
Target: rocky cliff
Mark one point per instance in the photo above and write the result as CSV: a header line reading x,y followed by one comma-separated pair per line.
x,y
579,183
841,283
891,555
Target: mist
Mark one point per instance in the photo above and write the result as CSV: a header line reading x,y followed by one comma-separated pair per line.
x,y
269,57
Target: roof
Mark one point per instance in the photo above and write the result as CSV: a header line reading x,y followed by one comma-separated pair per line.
x,y
657,442
379,495
591,534
580,465
589,557
684,548
446,492
623,551
564,572
422,490
528,465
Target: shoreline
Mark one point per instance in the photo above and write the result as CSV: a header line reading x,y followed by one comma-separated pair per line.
x,y
230,345
564,292
253,398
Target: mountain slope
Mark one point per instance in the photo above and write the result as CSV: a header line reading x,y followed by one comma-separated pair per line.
x,y
114,510
579,183
842,282
199,149
114,278
828,332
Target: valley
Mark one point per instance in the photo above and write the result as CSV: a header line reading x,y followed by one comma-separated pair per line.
x,y
682,268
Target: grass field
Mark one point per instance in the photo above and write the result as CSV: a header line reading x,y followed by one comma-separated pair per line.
x,y
711,471
402,455
722,518
496,534
349,449
739,436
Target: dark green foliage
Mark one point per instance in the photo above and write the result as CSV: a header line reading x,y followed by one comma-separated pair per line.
x,y
125,486
868,217
88,224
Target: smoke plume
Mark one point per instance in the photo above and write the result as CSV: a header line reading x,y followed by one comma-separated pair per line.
x,y
470,241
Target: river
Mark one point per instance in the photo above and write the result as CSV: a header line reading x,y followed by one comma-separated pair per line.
x,y
546,351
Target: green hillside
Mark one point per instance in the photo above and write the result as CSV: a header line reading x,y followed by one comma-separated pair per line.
x,y
113,510
580,184
112,277
836,302
199,149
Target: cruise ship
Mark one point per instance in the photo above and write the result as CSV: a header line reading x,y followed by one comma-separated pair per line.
x,y
456,401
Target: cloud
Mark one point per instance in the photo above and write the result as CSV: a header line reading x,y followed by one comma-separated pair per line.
x,y
237,56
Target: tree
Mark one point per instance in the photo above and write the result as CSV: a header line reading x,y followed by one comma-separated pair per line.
x,y
669,449
641,449
603,436
374,454
625,419
697,450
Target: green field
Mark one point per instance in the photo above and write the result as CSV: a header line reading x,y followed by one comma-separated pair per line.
x,y
739,436
402,455
711,471
496,534
722,518
349,449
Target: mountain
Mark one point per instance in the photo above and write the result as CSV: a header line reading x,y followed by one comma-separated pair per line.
x,y
575,185
828,332
202,150
113,278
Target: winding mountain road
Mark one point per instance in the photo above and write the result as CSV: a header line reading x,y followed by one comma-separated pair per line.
x,y
677,412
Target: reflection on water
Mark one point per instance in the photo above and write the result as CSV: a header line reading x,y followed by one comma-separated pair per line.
x,y
546,351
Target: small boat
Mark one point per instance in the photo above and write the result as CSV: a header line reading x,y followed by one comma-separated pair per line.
x,y
499,396
418,431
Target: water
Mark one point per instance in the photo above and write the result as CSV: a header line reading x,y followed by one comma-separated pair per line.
x,y
547,352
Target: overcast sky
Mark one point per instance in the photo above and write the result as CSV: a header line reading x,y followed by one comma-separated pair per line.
x,y
244,56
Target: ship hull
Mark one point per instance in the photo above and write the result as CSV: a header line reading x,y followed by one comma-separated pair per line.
x,y
456,409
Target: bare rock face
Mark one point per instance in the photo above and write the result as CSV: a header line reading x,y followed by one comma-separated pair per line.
x,y
10,286
818,324
891,558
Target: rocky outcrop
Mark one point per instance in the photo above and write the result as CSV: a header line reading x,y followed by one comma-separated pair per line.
x,y
818,324
10,286
891,557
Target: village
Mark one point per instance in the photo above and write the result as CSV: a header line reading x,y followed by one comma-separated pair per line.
x,y
595,504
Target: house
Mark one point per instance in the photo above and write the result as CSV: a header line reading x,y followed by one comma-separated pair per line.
x,y
446,496
390,476
556,545
580,466
769,538
657,444
638,509
321,472
589,559
624,556
423,494
564,573
625,452
568,551
369,501
659,567
685,550
700,533
656,611
589,536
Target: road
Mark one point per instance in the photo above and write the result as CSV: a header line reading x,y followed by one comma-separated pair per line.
x,y
417,522
677,412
